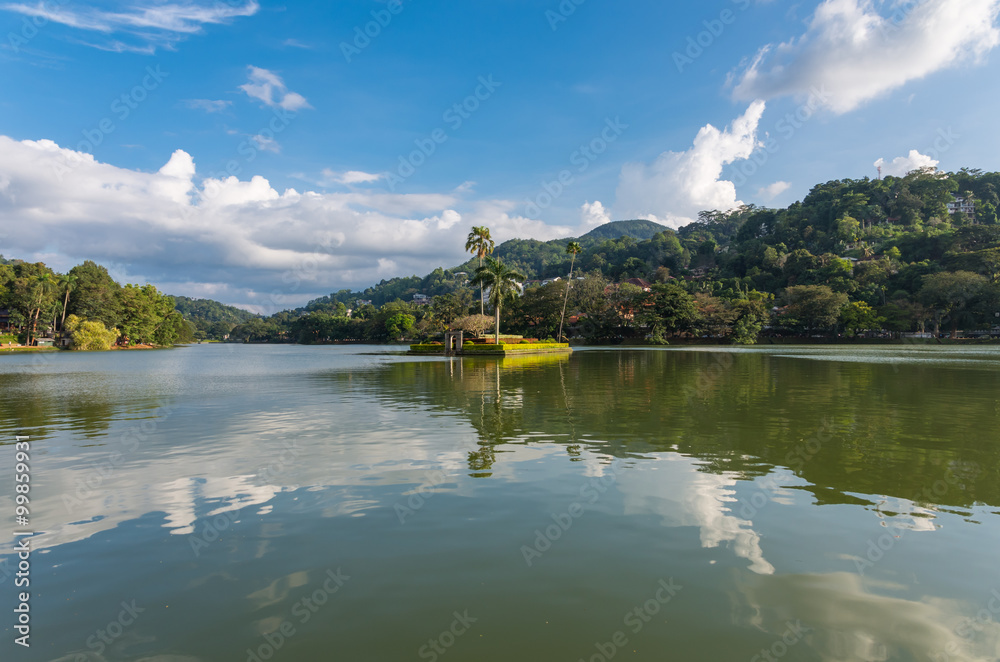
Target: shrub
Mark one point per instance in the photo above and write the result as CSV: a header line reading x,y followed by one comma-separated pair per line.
x,y
90,335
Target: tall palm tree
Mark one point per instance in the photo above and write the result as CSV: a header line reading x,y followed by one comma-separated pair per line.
x,y
68,283
44,284
503,284
574,249
480,243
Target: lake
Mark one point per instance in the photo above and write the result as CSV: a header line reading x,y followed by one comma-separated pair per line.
x,y
240,503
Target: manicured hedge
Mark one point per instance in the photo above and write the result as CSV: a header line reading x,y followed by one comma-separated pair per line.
x,y
516,348
468,349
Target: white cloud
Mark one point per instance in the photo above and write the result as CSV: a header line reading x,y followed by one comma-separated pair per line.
x,y
351,177
772,191
593,214
161,24
674,489
241,238
903,165
268,87
853,53
208,105
678,185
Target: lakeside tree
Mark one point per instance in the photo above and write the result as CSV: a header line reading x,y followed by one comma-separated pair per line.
x,y
474,324
809,307
400,325
752,316
954,297
148,317
667,309
503,284
67,282
95,296
89,335
536,313
43,289
452,306
859,316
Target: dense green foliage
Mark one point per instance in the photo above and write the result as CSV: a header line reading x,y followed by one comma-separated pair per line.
x,y
616,229
90,335
211,319
40,302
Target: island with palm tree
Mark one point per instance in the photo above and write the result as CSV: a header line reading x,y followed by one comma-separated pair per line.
x,y
498,285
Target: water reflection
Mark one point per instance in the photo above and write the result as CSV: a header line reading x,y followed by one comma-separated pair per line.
x,y
901,426
844,619
857,498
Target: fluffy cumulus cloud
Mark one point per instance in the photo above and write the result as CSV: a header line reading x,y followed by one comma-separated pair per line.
x,y
242,242
903,165
678,185
268,87
144,27
852,52
593,214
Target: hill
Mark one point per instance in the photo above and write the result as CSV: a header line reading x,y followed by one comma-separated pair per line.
x,y
211,319
616,229
210,311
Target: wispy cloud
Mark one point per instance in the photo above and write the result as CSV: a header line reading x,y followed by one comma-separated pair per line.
x,y
208,105
772,191
266,144
351,177
295,43
268,87
152,25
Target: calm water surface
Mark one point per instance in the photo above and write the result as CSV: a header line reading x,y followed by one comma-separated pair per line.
x,y
322,503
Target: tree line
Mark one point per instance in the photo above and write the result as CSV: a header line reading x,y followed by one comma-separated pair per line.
x,y
86,306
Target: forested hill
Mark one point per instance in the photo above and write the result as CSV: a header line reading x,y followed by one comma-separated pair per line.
x,y
536,259
616,229
212,318
850,218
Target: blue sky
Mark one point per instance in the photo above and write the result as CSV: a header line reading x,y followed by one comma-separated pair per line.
x,y
354,158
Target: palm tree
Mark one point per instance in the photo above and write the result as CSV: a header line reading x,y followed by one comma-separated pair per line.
x,y
44,284
68,283
503,284
574,249
480,244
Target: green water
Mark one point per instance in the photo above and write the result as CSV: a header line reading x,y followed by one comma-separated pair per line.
x,y
300,504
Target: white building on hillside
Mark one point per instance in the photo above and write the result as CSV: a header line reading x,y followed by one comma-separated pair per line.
x,y
962,205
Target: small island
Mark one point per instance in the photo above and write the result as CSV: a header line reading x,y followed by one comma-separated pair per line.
x,y
455,344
